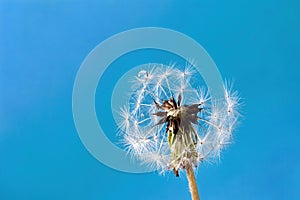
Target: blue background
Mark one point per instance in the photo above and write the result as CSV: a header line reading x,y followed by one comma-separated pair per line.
x,y
42,44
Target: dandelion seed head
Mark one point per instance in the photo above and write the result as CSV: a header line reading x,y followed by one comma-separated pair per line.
x,y
169,121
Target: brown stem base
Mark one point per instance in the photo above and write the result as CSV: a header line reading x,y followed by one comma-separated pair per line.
x,y
192,182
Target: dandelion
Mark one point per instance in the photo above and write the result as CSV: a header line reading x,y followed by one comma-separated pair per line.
x,y
172,124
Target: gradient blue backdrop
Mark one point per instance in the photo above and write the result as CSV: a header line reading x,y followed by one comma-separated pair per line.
x,y
42,44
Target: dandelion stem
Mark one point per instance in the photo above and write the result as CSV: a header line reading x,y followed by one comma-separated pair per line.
x,y
192,182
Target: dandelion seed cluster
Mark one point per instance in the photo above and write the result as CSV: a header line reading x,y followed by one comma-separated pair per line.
x,y
170,123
